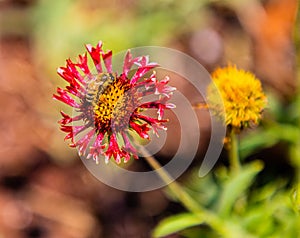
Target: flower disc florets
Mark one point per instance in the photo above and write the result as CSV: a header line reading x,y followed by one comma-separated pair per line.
x,y
109,106
242,96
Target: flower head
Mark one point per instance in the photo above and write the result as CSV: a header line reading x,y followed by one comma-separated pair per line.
x,y
242,96
109,105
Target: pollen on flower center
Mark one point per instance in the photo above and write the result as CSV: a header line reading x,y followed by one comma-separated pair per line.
x,y
109,104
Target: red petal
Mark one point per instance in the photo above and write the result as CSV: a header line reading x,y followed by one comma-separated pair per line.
x,y
95,53
68,76
141,72
82,64
107,60
72,130
156,124
113,150
97,148
67,119
128,63
128,149
83,143
64,97
142,130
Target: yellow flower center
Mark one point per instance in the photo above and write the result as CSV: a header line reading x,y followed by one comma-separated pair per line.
x,y
109,101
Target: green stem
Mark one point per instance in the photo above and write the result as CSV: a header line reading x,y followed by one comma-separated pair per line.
x,y
234,159
187,201
297,44
297,164
175,188
297,196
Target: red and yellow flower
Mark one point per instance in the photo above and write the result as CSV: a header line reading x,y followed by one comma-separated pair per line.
x,y
109,106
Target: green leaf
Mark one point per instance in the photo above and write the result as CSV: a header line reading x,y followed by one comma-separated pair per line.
x,y
236,185
256,141
268,137
204,190
177,223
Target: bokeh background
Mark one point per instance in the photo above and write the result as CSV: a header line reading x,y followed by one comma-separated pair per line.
x,y
45,191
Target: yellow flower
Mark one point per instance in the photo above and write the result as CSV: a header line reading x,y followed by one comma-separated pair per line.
x,y
243,99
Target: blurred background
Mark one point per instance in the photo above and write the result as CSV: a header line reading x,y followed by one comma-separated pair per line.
x,y
45,191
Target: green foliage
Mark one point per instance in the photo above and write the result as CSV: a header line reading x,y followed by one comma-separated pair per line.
x,y
177,223
235,186
247,209
265,211
280,126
